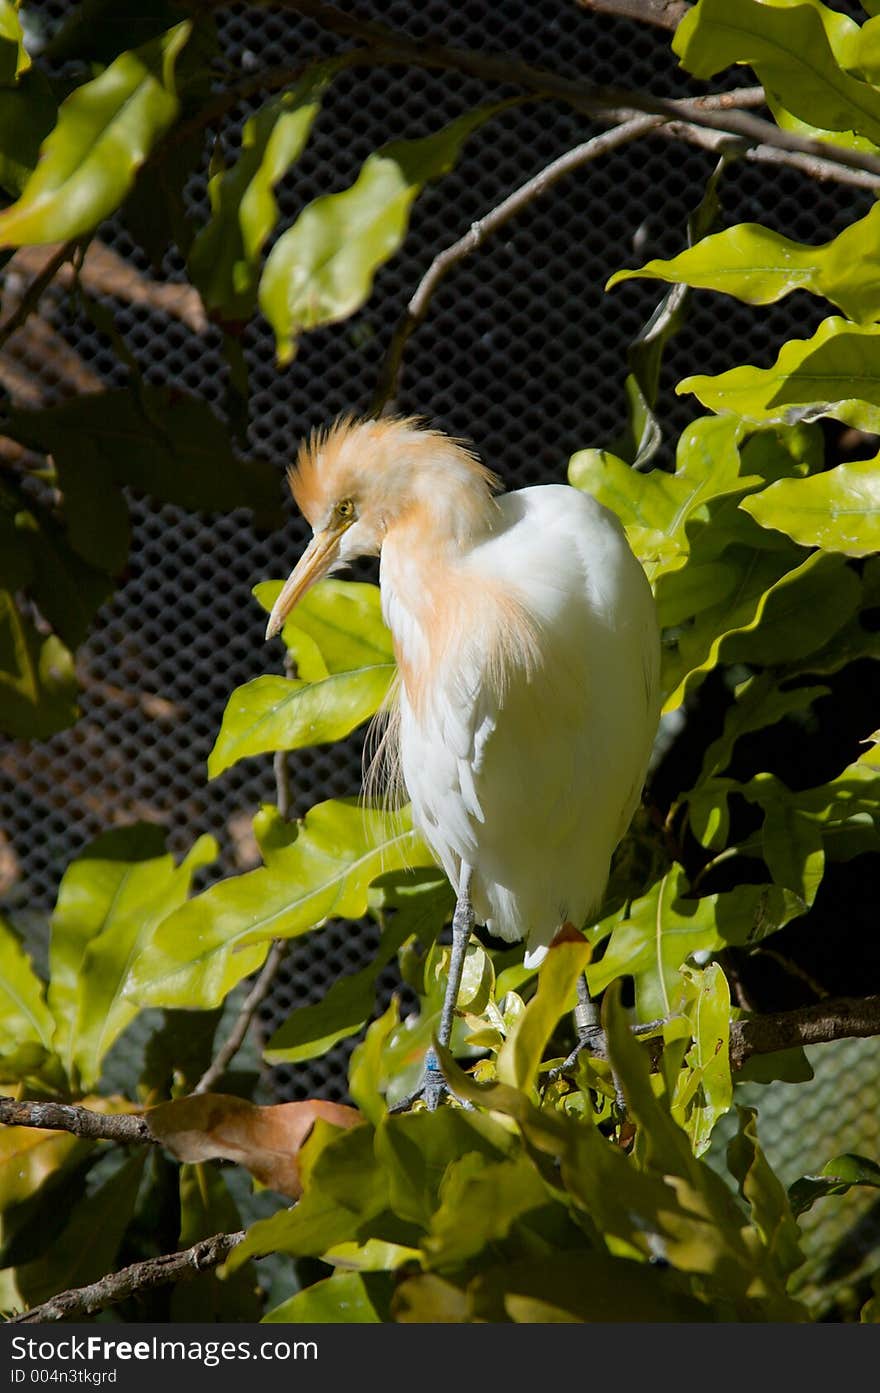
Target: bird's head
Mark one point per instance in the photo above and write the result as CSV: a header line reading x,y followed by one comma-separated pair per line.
x,y
357,480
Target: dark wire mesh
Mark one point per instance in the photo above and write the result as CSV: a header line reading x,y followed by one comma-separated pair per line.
x,y
523,352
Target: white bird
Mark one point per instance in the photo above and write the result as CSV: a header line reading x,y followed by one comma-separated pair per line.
x,y
527,643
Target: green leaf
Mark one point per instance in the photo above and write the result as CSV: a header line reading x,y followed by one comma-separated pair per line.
x,y
14,57
336,627
584,1287
24,1015
704,1088
110,902
656,508
87,1246
793,53
280,713
321,270
416,1150
838,510
479,1203
67,591
106,129
97,31
37,678
765,1194
345,1191
28,112
206,1208
774,612
224,258
760,266
520,1057
368,1061
220,936
157,439
313,1030
346,1298
760,703
834,373
837,1176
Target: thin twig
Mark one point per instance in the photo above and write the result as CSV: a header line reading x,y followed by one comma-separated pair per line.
x,y
389,378
122,1127
34,293
263,983
236,1037
133,1281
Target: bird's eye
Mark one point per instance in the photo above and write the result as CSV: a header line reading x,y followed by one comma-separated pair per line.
x,y
345,508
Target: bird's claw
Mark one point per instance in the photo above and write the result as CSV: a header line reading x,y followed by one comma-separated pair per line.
x,y
432,1091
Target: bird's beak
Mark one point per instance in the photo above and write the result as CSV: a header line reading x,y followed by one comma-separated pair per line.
x,y
315,562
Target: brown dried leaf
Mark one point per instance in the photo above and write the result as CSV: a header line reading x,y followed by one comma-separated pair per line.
x,y
266,1141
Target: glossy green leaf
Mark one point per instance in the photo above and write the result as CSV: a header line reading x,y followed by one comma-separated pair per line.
x,y
38,689
765,1194
281,713
28,111
225,256
110,903
346,1189
793,53
479,1203
321,270
31,1158
838,510
220,936
369,1062
584,1287
417,1149
346,1298
774,612
87,1247
206,1208
106,129
313,1030
834,373
837,1176
704,1088
760,266
520,1056
24,1015
14,57
66,590
336,627
656,508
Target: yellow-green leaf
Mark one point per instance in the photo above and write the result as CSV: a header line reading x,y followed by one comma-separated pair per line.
x,y
760,266
24,1015
106,129
838,510
321,270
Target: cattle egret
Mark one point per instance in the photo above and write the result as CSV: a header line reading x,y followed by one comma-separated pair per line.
x,y
527,644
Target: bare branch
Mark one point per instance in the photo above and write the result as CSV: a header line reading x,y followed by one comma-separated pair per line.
x,y
34,293
836,1018
132,1281
391,46
122,1127
662,14
482,229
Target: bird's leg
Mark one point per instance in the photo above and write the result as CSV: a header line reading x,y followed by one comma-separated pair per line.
x,y
590,1037
433,1087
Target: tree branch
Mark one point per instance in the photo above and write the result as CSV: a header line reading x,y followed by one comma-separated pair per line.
x,y
835,1018
34,293
663,14
593,100
131,1281
125,1127
416,310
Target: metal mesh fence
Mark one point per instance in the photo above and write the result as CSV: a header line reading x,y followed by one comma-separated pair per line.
x,y
522,352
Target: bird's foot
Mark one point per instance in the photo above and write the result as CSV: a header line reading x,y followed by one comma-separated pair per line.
x,y
592,1041
432,1091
